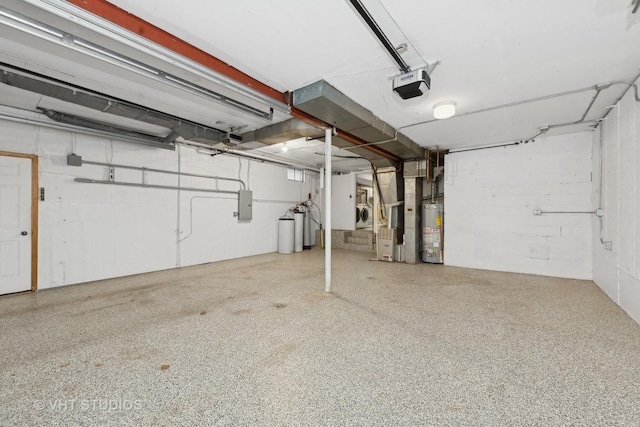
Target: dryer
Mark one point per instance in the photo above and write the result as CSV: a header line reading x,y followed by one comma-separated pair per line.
x,y
364,216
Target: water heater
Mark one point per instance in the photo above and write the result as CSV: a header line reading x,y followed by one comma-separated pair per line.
x,y
432,233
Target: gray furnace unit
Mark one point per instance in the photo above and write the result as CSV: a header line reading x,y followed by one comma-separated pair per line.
x,y
432,232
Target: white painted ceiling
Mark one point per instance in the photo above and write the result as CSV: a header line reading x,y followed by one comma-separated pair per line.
x,y
492,53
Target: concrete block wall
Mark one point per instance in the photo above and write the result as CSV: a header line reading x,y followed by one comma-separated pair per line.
x,y
617,155
490,196
90,232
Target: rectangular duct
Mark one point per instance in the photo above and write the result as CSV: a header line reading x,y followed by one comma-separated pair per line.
x,y
328,104
390,184
282,132
86,98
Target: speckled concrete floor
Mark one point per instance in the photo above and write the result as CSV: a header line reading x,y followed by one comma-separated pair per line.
x,y
256,341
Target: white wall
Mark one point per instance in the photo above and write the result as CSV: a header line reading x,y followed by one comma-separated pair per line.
x,y
617,271
490,196
91,232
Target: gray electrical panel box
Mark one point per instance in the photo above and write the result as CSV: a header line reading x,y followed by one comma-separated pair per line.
x,y
245,200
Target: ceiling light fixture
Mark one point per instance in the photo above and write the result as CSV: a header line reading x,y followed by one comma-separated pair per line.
x,y
284,147
444,110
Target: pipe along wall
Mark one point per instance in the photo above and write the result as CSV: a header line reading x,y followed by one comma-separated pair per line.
x,y
91,232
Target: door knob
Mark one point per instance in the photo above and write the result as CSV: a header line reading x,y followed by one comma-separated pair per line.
x,y
24,233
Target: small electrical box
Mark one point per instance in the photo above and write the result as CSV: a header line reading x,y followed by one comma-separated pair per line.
x,y
74,160
245,202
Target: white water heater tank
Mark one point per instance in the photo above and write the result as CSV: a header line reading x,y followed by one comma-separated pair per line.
x,y
432,233
285,235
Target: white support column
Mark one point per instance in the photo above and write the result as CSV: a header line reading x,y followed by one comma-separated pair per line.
x,y
327,210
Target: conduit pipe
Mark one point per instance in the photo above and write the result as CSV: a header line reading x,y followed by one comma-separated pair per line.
x,y
143,169
606,244
598,88
632,84
165,187
566,212
484,148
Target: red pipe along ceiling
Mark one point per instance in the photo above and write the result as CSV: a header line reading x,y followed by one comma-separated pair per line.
x,y
126,20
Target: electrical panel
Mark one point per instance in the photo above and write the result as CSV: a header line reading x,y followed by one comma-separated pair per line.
x,y
245,201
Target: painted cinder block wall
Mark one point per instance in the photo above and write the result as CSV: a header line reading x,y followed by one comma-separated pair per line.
x,y
490,196
617,154
90,232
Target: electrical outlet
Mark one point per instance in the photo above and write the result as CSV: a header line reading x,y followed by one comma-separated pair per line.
x,y
537,211
608,245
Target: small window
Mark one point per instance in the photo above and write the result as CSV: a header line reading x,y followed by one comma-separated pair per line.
x,y
295,175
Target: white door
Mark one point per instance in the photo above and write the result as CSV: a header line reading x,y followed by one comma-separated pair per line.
x,y
343,202
15,224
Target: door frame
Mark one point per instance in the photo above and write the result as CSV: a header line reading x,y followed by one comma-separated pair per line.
x,y
34,213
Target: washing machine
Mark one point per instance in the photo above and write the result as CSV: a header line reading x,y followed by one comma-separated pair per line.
x,y
364,216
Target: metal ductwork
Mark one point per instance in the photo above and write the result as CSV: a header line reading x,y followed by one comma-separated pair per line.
x,y
139,137
376,160
198,133
282,132
325,102
52,88
294,129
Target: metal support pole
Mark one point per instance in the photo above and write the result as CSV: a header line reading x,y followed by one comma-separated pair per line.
x,y
327,210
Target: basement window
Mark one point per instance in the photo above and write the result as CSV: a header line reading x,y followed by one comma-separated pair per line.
x,y
295,175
